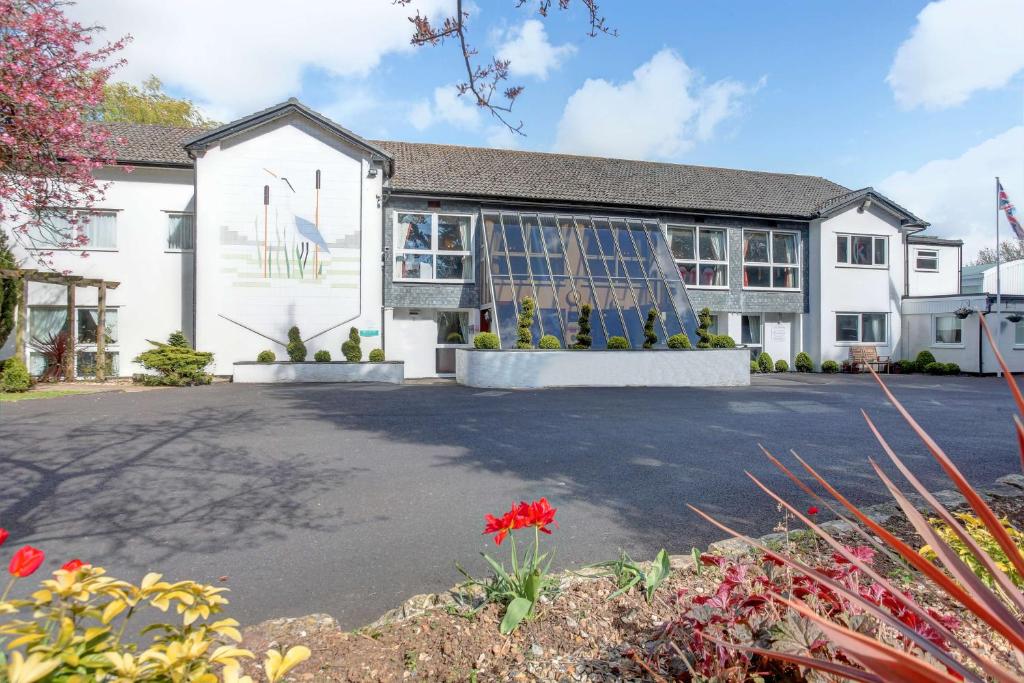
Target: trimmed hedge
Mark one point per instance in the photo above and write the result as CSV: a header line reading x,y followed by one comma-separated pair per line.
x,y
908,366
830,367
377,356
178,366
350,348
650,337
486,340
754,367
679,341
266,356
803,362
764,362
296,349
524,339
703,333
618,343
722,341
322,356
781,366
549,341
14,379
924,358
583,338
942,369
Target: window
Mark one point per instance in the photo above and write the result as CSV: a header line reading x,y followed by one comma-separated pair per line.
x,y
1018,333
433,247
85,364
868,328
926,259
63,230
862,250
452,327
701,254
948,330
180,232
750,333
88,319
771,259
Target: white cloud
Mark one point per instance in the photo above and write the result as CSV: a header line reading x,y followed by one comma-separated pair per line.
x,y
447,106
958,47
501,137
660,113
957,196
237,56
529,51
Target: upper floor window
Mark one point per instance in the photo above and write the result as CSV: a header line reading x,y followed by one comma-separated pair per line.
x,y
926,260
74,229
771,259
181,235
862,250
433,247
701,254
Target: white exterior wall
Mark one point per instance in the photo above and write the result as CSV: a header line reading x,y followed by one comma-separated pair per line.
x,y
241,311
155,294
1011,278
919,322
928,283
839,288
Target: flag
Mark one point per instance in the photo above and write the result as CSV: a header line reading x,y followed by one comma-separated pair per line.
x,y
1011,213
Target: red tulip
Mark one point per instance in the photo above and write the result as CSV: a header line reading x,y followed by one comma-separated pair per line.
x,y
500,526
541,514
73,565
25,561
812,510
3,535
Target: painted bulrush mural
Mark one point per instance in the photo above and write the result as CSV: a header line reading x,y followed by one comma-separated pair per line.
x,y
287,252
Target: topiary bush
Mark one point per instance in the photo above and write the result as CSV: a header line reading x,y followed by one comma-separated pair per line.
x,y
377,356
764,362
703,324
322,356
583,338
781,366
754,367
486,340
549,341
618,343
14,379
830,367
266,356
296,349
525,336
803,362
722,341
177,339
350,349
952,369
177,366
679,341
650,336
924,358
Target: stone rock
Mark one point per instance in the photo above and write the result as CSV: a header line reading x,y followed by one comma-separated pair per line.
x,y
1015,480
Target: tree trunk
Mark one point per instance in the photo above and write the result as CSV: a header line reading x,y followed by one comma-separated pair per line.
x,y
69,353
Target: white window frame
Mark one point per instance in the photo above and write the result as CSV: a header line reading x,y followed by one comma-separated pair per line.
x,y
433,251
697,261
921,254
178,250
771,264
759,346
78,229
860,329
935,332
848,263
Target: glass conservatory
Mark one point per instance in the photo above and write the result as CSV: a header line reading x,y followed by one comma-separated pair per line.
x,y
621,266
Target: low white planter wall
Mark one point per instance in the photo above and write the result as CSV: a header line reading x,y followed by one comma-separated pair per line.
x,y
535,369
251,372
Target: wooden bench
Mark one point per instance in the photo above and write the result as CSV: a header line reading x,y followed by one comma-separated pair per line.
x,y
863,357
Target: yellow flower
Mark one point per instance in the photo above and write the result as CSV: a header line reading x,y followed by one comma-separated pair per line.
x,y
277,666
35,668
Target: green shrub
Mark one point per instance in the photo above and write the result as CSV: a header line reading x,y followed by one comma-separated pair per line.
x,y
952,369
908,366
830,366
618,343
722,341
486,340
10,290
650,337
679,341
525,337
754,367
177,366
14,378
296,349
266,356
177,339
803,362
781,366
583,338
703,324
764,362
350,349
377,355
454,338
322,356
549,342
924,358
935,368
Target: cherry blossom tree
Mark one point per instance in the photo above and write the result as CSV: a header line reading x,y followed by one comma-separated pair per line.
x,y
486,82
51,76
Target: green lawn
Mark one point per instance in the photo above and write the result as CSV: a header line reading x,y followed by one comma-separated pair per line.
x,y
45,393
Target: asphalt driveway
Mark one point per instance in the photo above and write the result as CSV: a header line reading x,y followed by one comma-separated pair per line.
x,y
348,499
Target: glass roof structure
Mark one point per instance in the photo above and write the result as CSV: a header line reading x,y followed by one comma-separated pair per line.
x,y
621,266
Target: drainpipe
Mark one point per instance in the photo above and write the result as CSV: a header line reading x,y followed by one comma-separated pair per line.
x,y
385,195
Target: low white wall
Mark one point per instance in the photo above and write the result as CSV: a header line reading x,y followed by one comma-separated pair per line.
x,y
649,368
251,372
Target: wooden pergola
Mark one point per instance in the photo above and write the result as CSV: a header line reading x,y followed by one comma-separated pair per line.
x,y
26,275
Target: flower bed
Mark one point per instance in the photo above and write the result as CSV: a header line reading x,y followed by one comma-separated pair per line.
x,y
253,372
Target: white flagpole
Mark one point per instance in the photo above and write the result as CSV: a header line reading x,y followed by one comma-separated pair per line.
x,y
999,289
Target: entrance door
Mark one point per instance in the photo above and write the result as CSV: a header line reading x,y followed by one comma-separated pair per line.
x,y
778,337
452,333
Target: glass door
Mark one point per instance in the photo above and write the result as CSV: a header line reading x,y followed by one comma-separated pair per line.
x,y
452,333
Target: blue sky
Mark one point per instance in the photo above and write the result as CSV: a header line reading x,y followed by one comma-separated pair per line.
x,y
924,100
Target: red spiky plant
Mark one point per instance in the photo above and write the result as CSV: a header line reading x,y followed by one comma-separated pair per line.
x,y
1000,609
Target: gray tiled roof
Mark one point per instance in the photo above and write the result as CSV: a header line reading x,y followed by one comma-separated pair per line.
x,y
508,174
475,171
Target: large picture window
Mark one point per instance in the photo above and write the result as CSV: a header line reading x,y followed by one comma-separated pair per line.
x,y
867,328
771,259
701,254
949,329
95,229
868,251
433,247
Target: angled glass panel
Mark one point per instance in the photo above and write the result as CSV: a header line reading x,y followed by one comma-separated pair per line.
x,y
627,249
630,311
673,283
553,245
573,256
586,295
495,238
514,245
505,311
548,311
